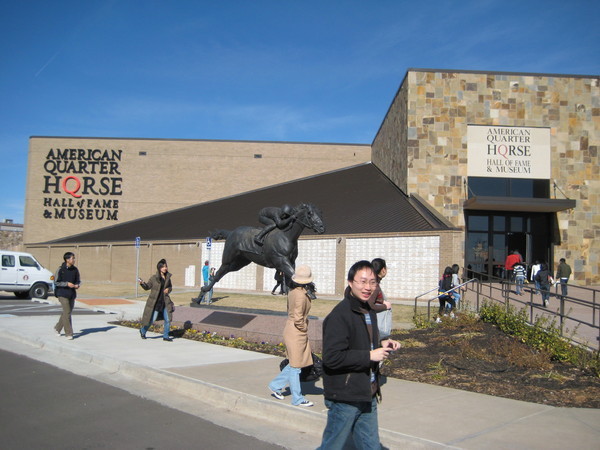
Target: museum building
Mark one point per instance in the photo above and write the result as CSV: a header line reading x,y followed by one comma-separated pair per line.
x,y
465,167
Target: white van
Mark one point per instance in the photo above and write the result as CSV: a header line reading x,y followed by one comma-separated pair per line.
x,y
22,274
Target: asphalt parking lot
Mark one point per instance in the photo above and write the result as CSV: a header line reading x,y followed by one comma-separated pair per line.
x,y
12,306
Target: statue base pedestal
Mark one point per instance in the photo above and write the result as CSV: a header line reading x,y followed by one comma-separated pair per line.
x,y
251,325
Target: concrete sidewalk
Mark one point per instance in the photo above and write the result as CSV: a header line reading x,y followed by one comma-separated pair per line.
x,y
412,415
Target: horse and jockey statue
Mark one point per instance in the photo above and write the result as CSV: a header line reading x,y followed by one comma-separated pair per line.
x,y
274,246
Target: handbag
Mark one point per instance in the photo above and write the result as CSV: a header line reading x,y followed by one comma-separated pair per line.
x,y
308,373
384,323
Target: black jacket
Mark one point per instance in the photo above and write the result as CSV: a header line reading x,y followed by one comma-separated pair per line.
x,y
542,278
63,276
346,352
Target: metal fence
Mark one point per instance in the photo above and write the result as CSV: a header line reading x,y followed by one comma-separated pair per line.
x,y
576,315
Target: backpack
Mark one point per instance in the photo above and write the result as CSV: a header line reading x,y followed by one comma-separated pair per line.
x,y
445,284
308,373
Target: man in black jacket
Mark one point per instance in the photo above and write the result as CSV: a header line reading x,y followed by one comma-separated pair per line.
x,y
66,283
351,357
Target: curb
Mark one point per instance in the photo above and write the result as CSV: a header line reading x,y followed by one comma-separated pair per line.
x,y
217,396
274,413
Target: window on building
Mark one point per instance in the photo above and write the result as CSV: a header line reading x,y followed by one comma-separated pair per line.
x,y
508,187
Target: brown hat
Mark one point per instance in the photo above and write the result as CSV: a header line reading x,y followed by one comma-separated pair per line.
x,y
303,275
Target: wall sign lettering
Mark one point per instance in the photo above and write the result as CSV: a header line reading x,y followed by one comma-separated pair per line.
x,y
81,184
508,152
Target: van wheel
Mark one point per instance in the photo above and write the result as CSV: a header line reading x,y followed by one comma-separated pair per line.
x,y
39,290
21,294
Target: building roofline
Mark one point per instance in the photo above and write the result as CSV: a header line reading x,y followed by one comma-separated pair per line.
x,y
198,140
495,72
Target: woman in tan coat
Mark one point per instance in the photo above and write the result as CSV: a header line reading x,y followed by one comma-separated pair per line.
x,y
295,337
159,302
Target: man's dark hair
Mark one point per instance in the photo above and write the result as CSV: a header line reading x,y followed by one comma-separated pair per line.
x,y
161,264
359,265
563,260
378,265
68,255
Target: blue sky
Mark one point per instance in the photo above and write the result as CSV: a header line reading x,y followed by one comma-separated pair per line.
x,y
312,71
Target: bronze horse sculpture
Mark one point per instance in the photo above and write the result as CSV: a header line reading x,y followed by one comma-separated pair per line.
x,y
279,250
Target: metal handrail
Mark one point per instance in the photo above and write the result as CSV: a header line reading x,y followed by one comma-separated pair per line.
x,y
562,314
440,295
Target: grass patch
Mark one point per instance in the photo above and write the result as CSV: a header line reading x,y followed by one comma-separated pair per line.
x,y
438,370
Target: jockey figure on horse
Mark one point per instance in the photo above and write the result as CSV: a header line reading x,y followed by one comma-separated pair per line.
x,y
274,217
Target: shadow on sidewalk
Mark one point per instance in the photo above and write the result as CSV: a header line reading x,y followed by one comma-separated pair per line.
x,y
93,330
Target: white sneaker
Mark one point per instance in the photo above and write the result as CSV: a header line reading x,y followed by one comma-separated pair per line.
x,y
57,333
438,320
277,394
305,403
452,315
70,338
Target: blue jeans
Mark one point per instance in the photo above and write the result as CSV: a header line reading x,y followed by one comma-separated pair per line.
x,y
519,280
563,286
456,297
208,295
358,419
167,324
545,291
289,376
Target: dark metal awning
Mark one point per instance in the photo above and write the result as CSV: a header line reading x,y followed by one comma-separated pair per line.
x,y
543,205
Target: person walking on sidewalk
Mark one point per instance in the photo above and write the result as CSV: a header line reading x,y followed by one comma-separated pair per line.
x,y
159,302
295,337
544,278
279,277
66,283
351,356
534,270
563,272
209,294
520,273
511,260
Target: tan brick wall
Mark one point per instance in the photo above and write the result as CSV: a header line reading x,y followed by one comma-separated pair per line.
x,y
116,262
172,174
437,106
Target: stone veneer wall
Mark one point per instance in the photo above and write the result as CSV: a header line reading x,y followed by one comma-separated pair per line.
x,y
435,107
389,149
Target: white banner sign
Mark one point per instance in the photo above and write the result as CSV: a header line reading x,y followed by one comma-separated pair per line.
x,y
508,152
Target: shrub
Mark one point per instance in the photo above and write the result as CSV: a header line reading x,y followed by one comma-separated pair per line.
x,y
543,336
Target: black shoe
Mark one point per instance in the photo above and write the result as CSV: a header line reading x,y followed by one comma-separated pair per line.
x,y
168,339
143,336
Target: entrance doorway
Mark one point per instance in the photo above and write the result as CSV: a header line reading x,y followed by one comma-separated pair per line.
x,y
491,236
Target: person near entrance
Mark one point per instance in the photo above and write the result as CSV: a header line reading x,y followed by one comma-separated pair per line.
x,y
520,273
511,260
544,278
534,270
563,272
66,283
351,356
